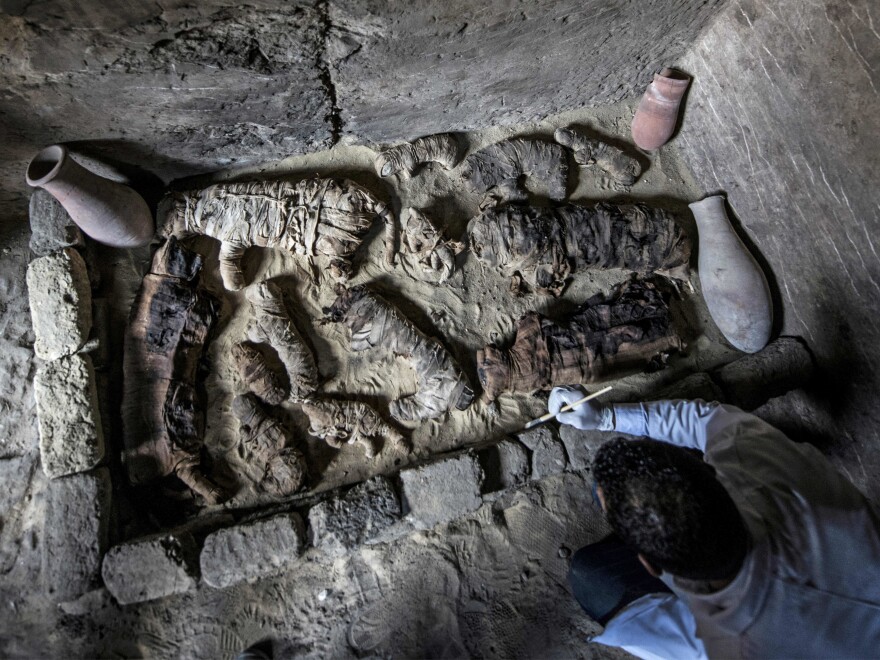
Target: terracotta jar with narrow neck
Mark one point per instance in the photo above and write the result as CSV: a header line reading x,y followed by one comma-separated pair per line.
x,y
107,211
734,286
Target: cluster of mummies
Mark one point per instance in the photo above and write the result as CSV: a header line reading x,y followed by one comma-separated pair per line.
x,y
539,248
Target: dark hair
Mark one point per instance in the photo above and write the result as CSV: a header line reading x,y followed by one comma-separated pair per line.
x,y
667,504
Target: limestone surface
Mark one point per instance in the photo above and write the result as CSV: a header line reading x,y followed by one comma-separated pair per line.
x,y
548,453
251,551
151,568
402,70
71,435
443,490
61,303
75,533
344,522
52,228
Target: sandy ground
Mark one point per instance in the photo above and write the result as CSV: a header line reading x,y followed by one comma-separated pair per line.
x,y
491,585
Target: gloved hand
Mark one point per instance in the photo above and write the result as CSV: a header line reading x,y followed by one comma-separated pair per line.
x,y
589,416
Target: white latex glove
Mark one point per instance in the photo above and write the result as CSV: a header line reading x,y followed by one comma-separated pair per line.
x,y
589,416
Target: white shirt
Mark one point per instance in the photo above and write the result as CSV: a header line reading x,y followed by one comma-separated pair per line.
x,y
810,584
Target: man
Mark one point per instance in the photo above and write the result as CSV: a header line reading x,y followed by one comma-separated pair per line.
x,y
761,547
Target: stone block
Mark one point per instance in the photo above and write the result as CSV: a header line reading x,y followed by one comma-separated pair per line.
x,y
804,418
251,551
52,228
505,464
150,568
61,303
75,533
548,453
342,523
443,490
694,386
71,436
785,364
581,446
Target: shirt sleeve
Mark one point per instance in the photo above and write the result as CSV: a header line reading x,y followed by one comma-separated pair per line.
x,y
655,627
684,423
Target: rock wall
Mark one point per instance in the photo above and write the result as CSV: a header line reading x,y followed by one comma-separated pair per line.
x,y
782,116
174,88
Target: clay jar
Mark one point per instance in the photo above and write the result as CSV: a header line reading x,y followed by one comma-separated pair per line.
x,y
657,113
107,211
734,286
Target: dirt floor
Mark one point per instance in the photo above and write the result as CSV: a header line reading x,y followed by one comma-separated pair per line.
x,y
489,585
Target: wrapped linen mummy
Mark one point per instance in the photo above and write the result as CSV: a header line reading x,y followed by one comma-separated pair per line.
x,y
257,374
374,322
608,335
433,251
162,407
272,325
507,171
269,443
327,217
350,422
546,245
405,158
622,168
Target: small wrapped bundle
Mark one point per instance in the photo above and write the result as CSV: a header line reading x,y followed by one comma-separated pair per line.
x,y
273,325
620,167
507,171
433,251
270,444
352,422
404,159
257,374
629,329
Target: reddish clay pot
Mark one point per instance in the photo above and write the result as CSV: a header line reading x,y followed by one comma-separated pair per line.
x,y
107,211
657,113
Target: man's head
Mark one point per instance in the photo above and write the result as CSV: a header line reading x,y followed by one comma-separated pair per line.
x,y
666,503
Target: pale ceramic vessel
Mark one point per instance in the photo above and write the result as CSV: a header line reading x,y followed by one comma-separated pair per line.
x,y
734,286
107,211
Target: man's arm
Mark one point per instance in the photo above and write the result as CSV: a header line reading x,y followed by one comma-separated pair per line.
x,y
683,423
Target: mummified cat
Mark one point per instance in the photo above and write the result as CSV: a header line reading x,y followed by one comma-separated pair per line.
x,y
273,325
546,245
270,446
434,252
319,216
257,374
622,168
162,407
350,422
404,159
507,171
623,331
374,322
